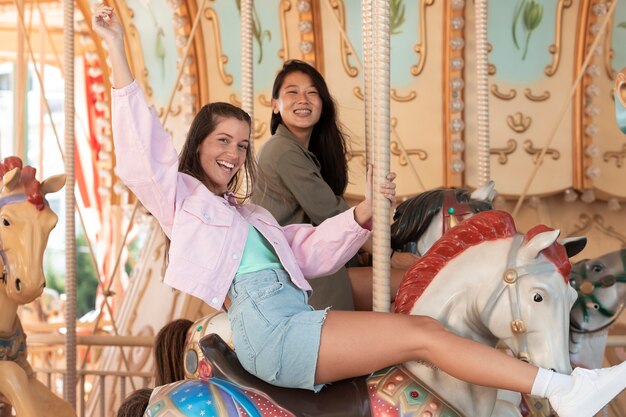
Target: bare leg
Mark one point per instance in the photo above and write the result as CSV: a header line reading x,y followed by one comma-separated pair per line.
x,y
422,338
361,281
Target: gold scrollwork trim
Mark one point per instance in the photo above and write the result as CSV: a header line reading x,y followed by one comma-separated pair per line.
x,y
421,47
264,101
503,153
530,96
555,48
285,6
584,227
503,96
518,122
222,59
618,155
344,45
402,99
358,93
608,230
356,154
174,112
234,100
396,150
491,69
586,222
259,129
535,152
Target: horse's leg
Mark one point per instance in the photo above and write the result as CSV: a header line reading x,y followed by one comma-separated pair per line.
x,y
14,386
53,405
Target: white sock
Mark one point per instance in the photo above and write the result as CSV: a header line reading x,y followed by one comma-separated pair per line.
x,y
548,383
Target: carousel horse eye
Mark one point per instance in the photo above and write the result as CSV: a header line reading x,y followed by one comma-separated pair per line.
x,y
597,267
6,222
537,298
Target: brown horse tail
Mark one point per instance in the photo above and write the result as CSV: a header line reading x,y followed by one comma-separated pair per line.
x,y
135,404
169,352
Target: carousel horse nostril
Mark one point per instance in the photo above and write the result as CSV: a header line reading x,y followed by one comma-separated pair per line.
x,y
18,285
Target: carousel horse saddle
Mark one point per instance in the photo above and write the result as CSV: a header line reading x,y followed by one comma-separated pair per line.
x,y
347,398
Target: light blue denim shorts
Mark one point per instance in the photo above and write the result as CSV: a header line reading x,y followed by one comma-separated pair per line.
x,y
276,334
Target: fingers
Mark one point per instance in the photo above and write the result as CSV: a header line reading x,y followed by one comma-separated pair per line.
x,y
103,14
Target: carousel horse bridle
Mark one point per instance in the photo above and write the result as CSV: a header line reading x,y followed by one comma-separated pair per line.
x,y
453,212
509,283
585,288
10,199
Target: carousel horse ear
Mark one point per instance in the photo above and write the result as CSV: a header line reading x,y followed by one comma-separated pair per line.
x,y
12,178
573,245
531,249
487,192
53,184
620,100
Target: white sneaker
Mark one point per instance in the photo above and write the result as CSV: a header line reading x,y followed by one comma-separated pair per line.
x,y
592,390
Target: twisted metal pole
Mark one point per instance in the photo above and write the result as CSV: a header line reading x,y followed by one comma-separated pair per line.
x,y
381,158
69,384
482,92
366,34
247,66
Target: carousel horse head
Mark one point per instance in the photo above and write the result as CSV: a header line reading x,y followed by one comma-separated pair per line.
x,y
422,220
601,287
25,223
521,280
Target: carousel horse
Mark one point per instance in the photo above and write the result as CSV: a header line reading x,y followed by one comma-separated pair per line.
x,y
601,287
504,300
26,221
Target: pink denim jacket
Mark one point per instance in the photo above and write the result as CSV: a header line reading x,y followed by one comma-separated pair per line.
x,y
208,232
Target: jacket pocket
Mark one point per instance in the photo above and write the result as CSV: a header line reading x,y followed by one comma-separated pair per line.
x,y
200,232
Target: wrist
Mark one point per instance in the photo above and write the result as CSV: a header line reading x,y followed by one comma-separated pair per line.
x,y
363,215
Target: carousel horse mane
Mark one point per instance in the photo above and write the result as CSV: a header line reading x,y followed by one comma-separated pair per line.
x,y
32,187
412,217
484,226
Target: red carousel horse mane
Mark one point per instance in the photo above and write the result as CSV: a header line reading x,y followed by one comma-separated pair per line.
x,y
32,187
555,253
484,226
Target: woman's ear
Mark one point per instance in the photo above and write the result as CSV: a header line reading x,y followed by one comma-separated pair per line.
x,y
275,108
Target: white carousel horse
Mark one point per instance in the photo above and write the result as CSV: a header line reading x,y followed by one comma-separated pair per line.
x,y
507,299
25,223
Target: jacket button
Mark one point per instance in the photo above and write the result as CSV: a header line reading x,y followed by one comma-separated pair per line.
x,y
206,216
214,300
235,256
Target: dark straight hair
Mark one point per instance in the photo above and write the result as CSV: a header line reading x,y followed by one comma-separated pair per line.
x,y
328,142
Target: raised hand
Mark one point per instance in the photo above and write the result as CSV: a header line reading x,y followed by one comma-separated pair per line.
x,y
106,24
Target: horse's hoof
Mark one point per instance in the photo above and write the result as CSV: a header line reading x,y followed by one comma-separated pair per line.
x,y
620,100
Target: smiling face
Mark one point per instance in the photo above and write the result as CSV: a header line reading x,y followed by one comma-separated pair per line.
x,y
299,105
223,152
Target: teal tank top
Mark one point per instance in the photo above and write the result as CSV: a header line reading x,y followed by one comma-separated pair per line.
x,y
258,254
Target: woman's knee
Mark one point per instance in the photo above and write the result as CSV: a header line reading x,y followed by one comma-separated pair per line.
x,y
429,333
